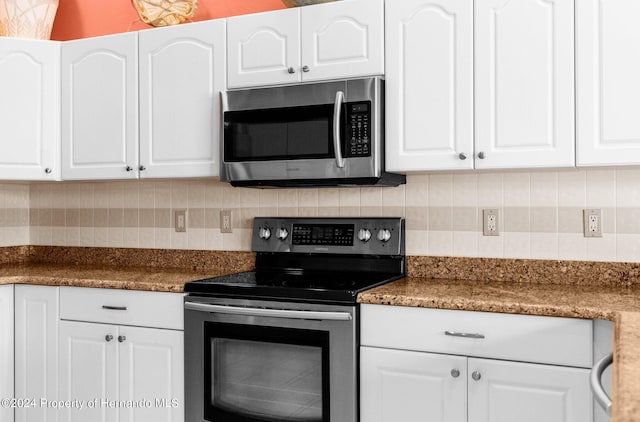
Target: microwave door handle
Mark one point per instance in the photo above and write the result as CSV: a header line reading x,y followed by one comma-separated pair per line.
x,y
337,142
224,102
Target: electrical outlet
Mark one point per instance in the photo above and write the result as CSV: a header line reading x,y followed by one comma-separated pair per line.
x,y
225,221
180,217
490,222
592,222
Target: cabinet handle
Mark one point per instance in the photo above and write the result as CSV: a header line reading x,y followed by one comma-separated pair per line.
x,y
462,156
108,337
114,308
481,155
129,168
455,373
121,338
464,335
476,375
291,70
306,68
47,170
142,168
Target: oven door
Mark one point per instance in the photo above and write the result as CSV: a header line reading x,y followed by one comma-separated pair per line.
x,y
259,361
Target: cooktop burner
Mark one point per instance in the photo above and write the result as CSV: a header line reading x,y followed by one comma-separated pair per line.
x,y
324,260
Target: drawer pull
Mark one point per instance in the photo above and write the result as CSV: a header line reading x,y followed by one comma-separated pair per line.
x,y
465,335
114,308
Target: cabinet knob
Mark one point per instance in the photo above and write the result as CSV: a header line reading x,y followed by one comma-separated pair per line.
x,y
47,170
129,168
306,68
476,375
455,373
291,71
108,337
462,156
122,338
142,168
481,155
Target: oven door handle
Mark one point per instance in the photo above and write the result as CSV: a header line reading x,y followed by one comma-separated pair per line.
x,y
266,312
337,116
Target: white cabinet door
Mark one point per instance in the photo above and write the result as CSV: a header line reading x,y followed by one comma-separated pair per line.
x,y
513,391
36,363
429,84
100,107
182,71
342,39
608,87
29,109
263,49
152,368
6,351
88,368
524,83
397,385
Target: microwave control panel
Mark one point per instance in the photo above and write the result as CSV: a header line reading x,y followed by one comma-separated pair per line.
x,y
358,129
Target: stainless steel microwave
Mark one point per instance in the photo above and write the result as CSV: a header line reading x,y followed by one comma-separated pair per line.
x,y
321,134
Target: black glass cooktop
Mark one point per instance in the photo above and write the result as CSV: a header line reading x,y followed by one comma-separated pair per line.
x,y
316,286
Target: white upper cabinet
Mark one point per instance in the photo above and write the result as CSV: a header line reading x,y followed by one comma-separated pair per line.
x,y
100,108
484,84
29,109
182,72
429,84
608,86
326,41
524,83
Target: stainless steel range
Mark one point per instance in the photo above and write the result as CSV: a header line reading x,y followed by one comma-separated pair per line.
x,y
280,343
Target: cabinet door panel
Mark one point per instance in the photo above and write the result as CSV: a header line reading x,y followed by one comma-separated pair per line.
x,y
6,350
100,107
409,386
36,366
608,97
262,47
152,368
429,84
182,71
88,369
524,83
342,39
513,391
29,109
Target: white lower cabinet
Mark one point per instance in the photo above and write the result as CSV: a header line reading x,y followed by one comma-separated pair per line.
x,y
127,373
121,355
481,371
36,361
6,350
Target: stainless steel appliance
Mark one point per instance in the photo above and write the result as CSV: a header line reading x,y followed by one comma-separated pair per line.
x,y
280,343
322,134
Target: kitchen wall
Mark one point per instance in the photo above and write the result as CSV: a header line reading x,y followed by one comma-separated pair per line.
x,y
14,214
541,213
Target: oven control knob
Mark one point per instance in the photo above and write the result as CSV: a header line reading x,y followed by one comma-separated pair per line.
x,y
264,233
282,233
364,235
384,235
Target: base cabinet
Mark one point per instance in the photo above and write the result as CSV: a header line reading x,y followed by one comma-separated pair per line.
x,y
6,350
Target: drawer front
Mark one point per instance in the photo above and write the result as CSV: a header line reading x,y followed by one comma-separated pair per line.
x,y
550,340
122,307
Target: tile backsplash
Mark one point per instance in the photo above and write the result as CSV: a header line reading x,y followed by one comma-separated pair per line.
x,y
14,214
540,212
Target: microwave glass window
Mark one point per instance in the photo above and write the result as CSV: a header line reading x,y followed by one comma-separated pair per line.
x,y
279,134
268,381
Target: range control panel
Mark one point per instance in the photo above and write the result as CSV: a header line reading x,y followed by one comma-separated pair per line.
x,y
361,236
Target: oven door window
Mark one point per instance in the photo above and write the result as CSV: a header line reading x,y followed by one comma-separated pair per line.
x,y
256,374
289,133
